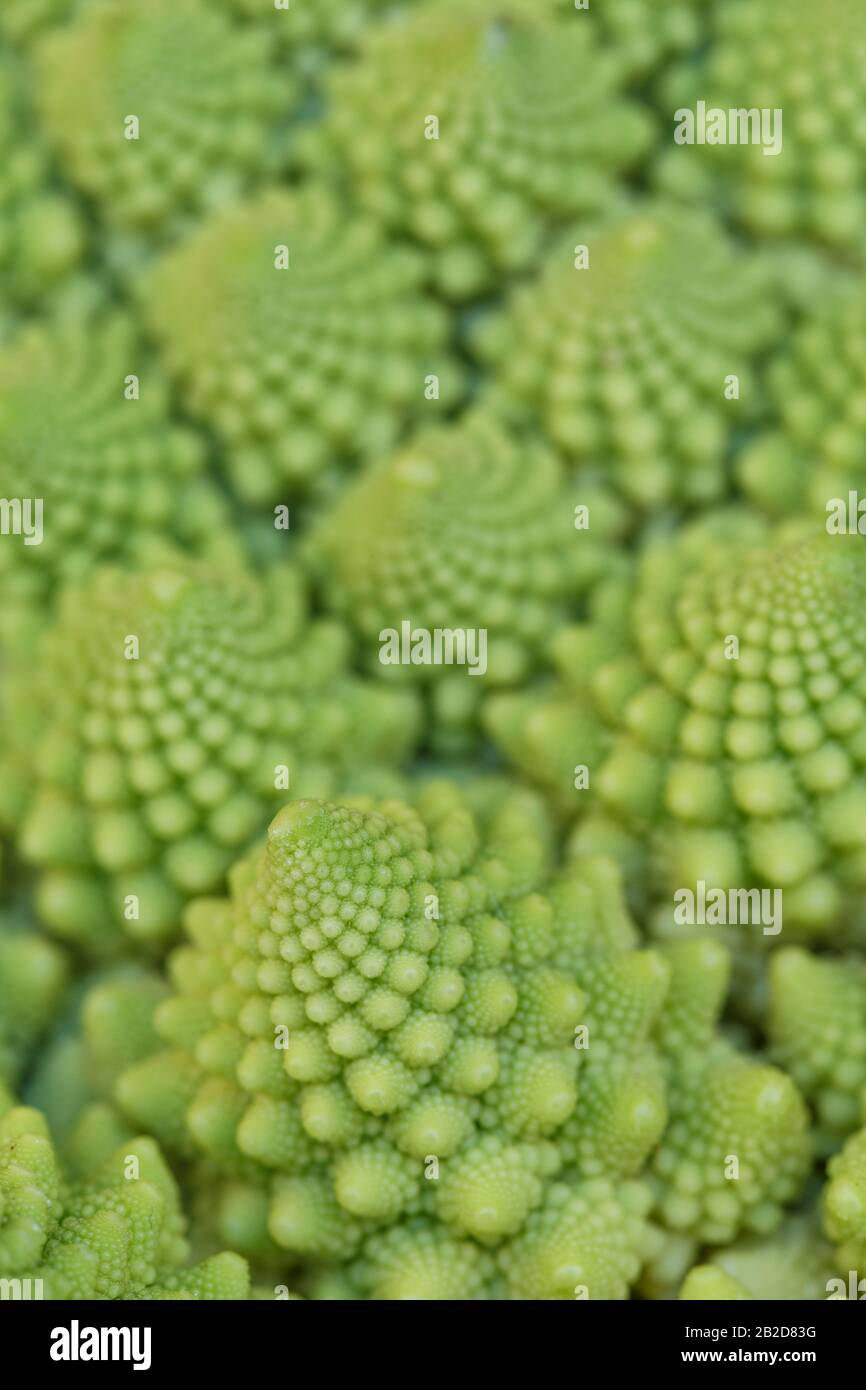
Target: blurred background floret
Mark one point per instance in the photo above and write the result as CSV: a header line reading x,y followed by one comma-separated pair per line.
x,y
635,351
86,427
175,707
44,240
467,526
806,62
160,110
814,447
475,130
34,975
738,765
300,337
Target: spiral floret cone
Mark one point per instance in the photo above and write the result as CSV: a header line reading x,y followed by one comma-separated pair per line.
x,y
299,336
468,529
639,362
159,111
116,1234
736,1150
430,1122
728,683
803,65
477,129
176,706
417,1056
85,429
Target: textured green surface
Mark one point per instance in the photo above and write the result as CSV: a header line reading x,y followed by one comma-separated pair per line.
x,y
297,369
807,61
412,316
203,94
625,364
110,1236
434,987
741,769
531,130
177,707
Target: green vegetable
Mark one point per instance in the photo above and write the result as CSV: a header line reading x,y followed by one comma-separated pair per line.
x,y
845,1203
795,1264
42,231
816,1024
468,528
177,706
33,976
635,350
85,428
419,1058
644,32
117,1234
476,129
300,336
726,687
818,391
432,657
159,110
805,61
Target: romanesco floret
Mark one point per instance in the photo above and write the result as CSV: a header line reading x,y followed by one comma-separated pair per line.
x,y
817,386
730,681
158,111
177,706
816,1026
430,1124
117,1234
105,1025
300,336
476,129
639,363
736,1149
518,1042
844,1204
85,428
644,33
804,65
467,527
792,1265
432,664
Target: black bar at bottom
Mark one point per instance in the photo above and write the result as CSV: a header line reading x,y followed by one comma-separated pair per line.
x,y
260,1339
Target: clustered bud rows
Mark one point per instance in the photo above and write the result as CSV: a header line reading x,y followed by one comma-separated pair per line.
x,y
432,657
